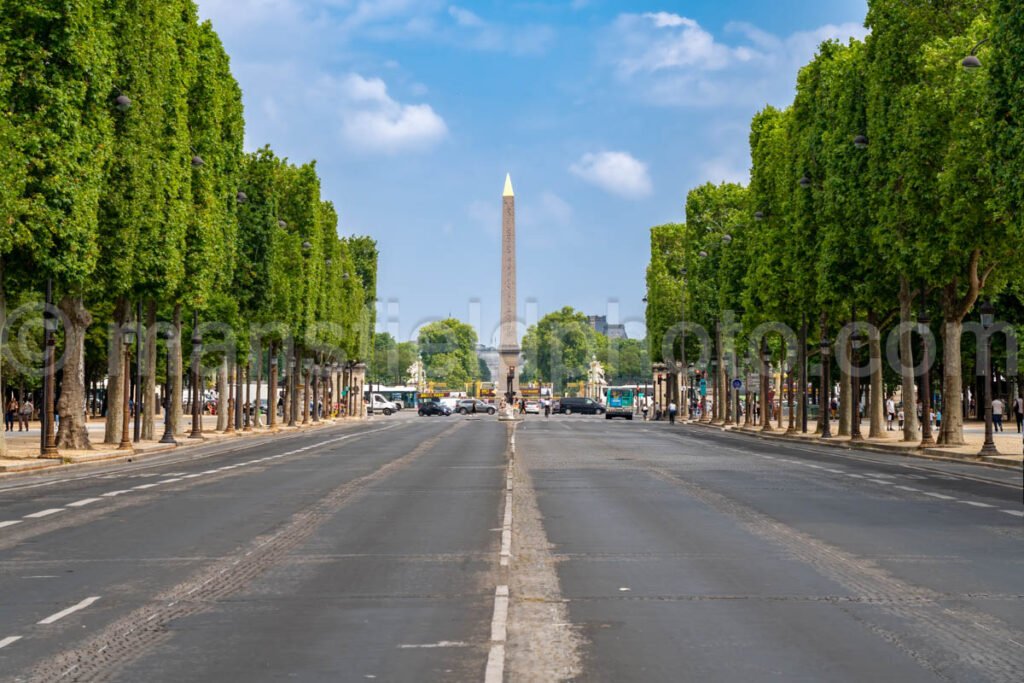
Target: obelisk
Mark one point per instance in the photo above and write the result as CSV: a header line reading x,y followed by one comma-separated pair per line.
x,y
508,348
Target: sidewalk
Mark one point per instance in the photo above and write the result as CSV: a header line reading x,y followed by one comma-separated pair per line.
x,y
1008,443
23,447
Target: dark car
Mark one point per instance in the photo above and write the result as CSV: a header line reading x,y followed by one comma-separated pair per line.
x,y
582,406
474,405
434,408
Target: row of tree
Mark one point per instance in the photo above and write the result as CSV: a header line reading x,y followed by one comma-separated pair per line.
x,y
123,180
890,189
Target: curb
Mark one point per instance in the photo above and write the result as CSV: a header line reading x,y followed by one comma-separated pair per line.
x,y
38,466
908,452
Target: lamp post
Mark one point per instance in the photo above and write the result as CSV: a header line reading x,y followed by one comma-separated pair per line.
x,y
272,391
856,340
307,363
293,390
825,402
48,442
988,311
137,433
197,350
126,342
971,61
247,418
314,376
766,356
168,436
791,401
926,393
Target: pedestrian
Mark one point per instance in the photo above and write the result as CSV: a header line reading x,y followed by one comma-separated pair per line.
x,y
938,418
997,414
672,412
9,413
643,408
902,417
547,407
890,413
1018,411
25,414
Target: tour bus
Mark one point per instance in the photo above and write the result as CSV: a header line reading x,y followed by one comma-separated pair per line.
x,y
619,402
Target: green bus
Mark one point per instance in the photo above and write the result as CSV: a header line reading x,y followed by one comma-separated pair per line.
x,y
620,401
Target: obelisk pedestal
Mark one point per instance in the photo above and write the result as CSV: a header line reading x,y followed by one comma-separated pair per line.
x,y
508,348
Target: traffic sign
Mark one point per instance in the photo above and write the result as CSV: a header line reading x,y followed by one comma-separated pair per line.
x,y
737,384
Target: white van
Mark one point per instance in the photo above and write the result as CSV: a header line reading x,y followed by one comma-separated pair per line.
x,y
382,405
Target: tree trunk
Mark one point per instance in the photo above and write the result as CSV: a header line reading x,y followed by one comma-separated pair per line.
x,y
222,394
149,374
3,327
877,405
115,375
846,397
909,388
952,431
73,433
174,373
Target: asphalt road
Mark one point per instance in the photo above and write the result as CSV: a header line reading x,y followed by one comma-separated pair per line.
x,y
628,551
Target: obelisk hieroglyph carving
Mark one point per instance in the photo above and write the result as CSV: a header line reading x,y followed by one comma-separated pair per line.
x,y
508,349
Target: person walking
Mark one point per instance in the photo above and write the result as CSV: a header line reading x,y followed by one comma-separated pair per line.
x,y
643,408
25,414
1018,411
997,414
890,413
672,409
9,412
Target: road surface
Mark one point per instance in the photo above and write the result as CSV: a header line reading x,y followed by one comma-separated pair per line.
x,y
460,549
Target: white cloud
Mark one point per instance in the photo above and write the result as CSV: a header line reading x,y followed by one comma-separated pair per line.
x,y
463,17
670,59
373,121
616,172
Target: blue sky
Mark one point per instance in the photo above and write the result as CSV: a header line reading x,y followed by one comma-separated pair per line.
x,y
605,113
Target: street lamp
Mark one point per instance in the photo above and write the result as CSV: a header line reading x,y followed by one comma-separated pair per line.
x,y
48,447
758,215
293,386
923,321
988,311
123,102
860,141
241,197
272,390
805,182
168,436
826,381
127,338
766,357
314,389
197,350
971,61
197,161
307,363
856,340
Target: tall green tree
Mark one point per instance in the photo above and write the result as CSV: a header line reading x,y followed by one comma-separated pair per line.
x,y
448,348
560,347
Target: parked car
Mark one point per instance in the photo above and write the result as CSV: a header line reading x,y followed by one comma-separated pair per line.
x,y
532,408
583,406
434,408
474,405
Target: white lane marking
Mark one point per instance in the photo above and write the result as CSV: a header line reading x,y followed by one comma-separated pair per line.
x,y
44,513
428,646
193,476
854,475
976,504
169,481
834,471
8,640
883,482
70,610
84,501
907,488
495,672
10,523
144,486
111,494
499,622
940,496
1015,513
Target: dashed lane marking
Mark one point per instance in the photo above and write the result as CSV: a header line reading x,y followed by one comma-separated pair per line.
x,y
10,523
44,513
1015,513
976,504
83,502
8,640
940,496
70,610
111,494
